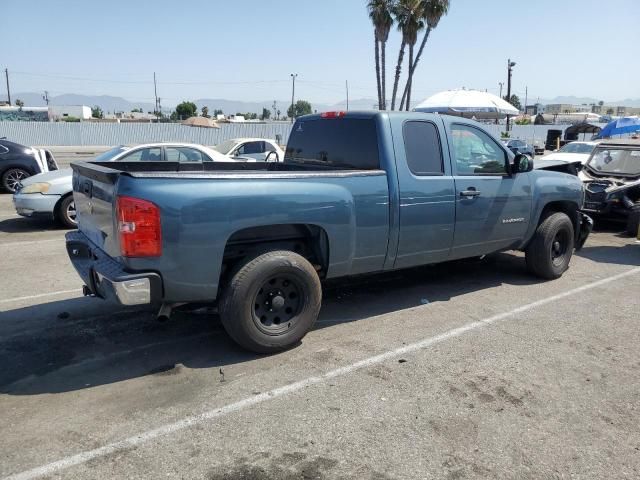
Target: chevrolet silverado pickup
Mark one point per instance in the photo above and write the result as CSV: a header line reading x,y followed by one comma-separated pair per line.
x,y
358,192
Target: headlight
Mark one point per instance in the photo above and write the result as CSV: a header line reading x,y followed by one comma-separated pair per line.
x,y
40,187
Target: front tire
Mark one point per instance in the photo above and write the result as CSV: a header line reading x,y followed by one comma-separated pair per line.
x,y
271,301
549,252
66,212
633,222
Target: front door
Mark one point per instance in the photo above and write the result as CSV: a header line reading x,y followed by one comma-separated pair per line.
x,y
492,206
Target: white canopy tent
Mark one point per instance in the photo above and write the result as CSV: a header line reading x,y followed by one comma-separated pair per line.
x,y
468,103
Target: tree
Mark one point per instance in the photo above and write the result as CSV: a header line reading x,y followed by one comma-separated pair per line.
x,y
278,114
408,14
515,101
96,112
186,110
301,107
266,114
380,15
20,104
137,110
217,112
205,112
610,111
601,103
433,11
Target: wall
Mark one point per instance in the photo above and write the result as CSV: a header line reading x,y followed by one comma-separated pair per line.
x,y
79,134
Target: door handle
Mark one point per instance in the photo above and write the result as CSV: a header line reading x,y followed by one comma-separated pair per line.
x,y
472,192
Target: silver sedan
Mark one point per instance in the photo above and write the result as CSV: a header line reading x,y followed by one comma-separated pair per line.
x,y
51,194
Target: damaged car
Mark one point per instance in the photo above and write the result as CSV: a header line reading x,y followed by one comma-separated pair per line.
x,y
612,182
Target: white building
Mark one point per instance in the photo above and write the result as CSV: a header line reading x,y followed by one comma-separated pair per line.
x,y
57,112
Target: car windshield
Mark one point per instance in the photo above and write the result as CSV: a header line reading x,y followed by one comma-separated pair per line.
x,y
110,154
225,147
577,148
616,161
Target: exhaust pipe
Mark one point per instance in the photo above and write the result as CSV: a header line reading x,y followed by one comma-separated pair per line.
x,y
164,313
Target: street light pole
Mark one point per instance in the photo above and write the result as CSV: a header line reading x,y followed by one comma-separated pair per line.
x,y
6,74
510,66
293,95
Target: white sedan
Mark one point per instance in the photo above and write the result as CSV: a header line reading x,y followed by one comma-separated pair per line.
x,y
573,152
255,148
51,194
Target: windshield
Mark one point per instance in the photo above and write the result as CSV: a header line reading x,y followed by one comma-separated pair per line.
x,y
110,154
225,147
577,148
616,161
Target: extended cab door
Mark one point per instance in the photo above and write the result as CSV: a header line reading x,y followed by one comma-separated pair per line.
x,y
427,192
492,206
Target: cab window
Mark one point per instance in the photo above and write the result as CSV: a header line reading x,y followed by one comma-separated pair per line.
x,y
476,153
184,154
152,154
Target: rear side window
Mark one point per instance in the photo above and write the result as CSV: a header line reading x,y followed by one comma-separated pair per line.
x,y
422,148
349,143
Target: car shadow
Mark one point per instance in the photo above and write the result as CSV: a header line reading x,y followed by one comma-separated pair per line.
x,y
56,351
28,225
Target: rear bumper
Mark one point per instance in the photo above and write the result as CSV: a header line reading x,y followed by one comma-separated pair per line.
x,y
106,278
30,204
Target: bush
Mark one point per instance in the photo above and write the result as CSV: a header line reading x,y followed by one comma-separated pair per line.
x,y
69,119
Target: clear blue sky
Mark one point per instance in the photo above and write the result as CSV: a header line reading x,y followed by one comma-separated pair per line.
x,y
246,49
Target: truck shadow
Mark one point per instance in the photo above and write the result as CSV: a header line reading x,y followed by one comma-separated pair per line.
x,y
25,225
80,343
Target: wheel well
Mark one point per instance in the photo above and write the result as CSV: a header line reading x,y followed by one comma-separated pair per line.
x,y
310,241
60,200
570,208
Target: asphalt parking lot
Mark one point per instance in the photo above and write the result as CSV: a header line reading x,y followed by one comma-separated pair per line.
x,y
470,369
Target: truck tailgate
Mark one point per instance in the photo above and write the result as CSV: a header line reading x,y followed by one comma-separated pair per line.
x,y
94,189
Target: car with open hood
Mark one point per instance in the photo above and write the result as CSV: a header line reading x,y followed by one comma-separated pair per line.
x,y
612,182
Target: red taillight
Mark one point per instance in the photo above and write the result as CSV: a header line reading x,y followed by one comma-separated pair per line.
x,y
332,114
139,227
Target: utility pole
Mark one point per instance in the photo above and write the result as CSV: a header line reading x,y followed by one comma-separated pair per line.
x,y
501,84
273,107
293,95
6,74
155,94
45,97
510,66
526,95
346,82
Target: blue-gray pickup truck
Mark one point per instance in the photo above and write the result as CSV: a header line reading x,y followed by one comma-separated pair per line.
x,y
358,192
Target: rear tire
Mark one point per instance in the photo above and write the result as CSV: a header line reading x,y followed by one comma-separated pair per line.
x,y
66,212
12,177
271,301
633,222
549,252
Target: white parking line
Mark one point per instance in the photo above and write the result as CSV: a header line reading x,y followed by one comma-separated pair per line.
x,y
187,422
40,295
31,242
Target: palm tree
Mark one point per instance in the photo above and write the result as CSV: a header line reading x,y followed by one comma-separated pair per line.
x,y
380,14
433,11
407,14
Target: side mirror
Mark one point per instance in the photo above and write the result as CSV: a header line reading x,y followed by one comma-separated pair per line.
x,y
271,157
522,164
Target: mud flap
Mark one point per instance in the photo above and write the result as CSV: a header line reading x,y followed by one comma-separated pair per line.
x,y
586,225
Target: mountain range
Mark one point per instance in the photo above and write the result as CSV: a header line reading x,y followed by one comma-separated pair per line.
x,y
118,104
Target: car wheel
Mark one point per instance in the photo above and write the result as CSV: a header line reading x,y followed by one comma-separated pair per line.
x,y
66,212
550,250
271,301
12,178
633,222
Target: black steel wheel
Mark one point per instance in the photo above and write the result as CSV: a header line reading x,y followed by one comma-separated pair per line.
x,y
12,178
550,250
271,301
